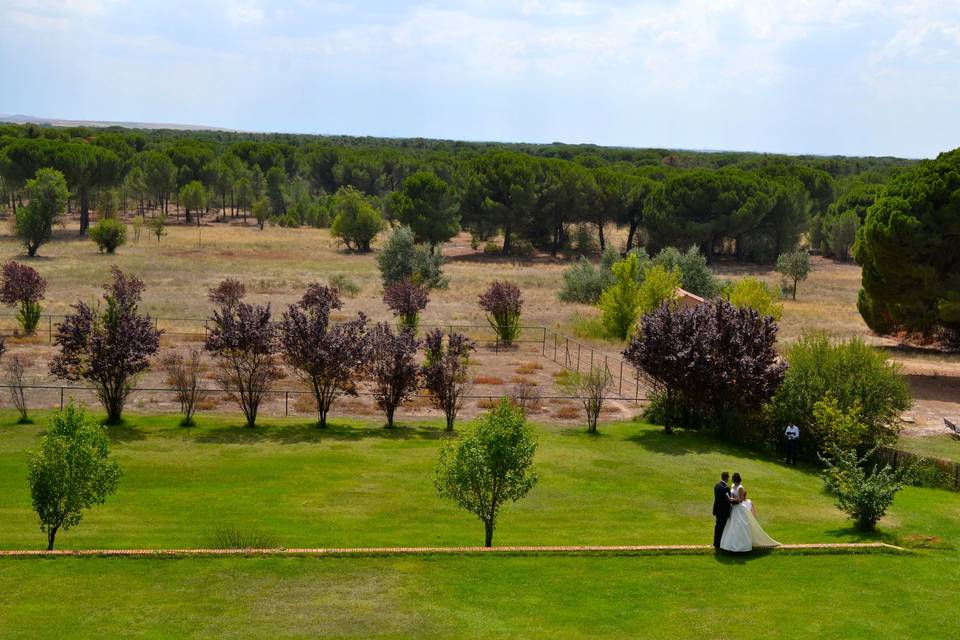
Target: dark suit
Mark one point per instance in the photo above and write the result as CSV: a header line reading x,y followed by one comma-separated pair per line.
x,y
721,510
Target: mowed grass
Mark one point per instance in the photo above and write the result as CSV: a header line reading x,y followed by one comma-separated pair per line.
x,y
943,447
866,596
361,485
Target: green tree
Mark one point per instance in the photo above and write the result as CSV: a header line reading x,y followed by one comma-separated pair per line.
x,y
135,186
754,294
794,266
908,247
620,303
842,232
355,220
490,466
193,197
87,167
276,179
429,206
48,197
502,193
109,234
158,226
701,207
261,212
659,285
72,471
402,259
695,275
160,174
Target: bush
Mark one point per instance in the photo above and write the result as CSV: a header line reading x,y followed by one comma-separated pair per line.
x,y
401,259
356,222
695,275
756,295
583,241
158,226
583,282
344,285
659,285
863,496
620,303
858,377
503,303
406,300
109,234
22,286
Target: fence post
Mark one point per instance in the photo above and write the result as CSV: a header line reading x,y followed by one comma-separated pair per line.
x,y
636,394
620,389
544,343
286,403
61,398
554,347
50,329
578,357
591,359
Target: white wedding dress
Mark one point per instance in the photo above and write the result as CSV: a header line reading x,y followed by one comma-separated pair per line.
x,y
742,532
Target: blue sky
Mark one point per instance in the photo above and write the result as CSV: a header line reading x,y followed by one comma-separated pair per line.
x,y
796,76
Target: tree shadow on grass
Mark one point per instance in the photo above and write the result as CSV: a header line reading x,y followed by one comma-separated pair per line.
x,y
310,432
123,432
681,443
855,534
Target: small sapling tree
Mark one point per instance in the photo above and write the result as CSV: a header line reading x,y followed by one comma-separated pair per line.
x,y
107,345
328,357
794,266
21,286
592,389
503,303
490,466
72,471
158,226
392,366
863,496
406,300
242,340
445,371
184,372
16,370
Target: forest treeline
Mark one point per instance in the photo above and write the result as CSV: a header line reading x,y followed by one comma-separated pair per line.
x,y
515,198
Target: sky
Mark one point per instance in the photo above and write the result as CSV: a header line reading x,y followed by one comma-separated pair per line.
x,y
852,77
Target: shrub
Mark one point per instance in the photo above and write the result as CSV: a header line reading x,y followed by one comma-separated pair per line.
x,y
72,471
109,234
23,287
355,220
328,357
137,225
344,285
857,376
715,355
526,395
503,303
402,259
490,466
48,195
108,346
659,286
695,275
795,267
444,371
583,241
756,295
243,342
865,497
406,300
158,226
583,282
620,303
228,293
393,367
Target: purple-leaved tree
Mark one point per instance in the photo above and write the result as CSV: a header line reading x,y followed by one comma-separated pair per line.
x,y
109,344
503,303
22,287
392,367
243,342
327,357
406,300
714,355
444,371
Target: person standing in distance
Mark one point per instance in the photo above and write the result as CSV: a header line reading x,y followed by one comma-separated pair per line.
x,y
721,507
792,434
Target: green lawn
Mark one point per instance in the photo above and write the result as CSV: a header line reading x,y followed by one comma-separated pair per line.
x,y
943,447
364,486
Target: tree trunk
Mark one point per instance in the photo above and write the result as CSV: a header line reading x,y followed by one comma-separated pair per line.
x,y
51,536
488,527
630,234
450,418
603,244
507,233
84,211
389,411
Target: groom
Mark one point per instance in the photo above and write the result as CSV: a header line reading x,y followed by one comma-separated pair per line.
x,y
721,507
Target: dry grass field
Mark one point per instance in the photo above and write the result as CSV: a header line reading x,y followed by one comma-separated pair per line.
x,y
276,264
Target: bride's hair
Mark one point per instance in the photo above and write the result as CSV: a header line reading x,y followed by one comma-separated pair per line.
x,y
736,478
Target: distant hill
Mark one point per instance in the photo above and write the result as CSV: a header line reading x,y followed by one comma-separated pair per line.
x,y
58,122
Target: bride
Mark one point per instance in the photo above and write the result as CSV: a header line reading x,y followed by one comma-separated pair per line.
x,y
742,531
